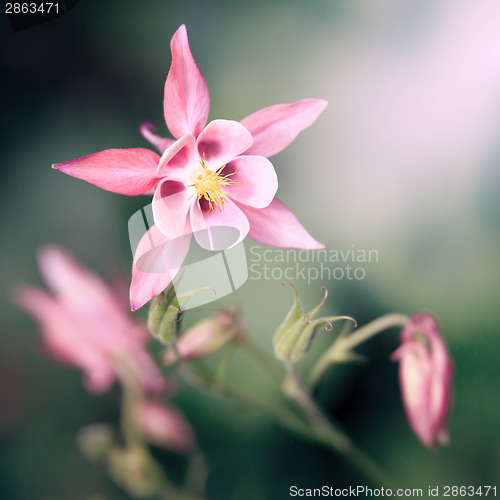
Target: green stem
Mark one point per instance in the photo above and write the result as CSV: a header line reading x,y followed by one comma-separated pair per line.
x,y
269,363
319,429
344,344
317,426
223,366
206,385
376,326
321,425
284,417
132,395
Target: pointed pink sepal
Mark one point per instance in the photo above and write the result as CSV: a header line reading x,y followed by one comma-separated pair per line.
x,y
276,225
187,101
275,127
122,171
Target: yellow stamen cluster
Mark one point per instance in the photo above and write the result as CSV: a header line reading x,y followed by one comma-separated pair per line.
x,y
209,185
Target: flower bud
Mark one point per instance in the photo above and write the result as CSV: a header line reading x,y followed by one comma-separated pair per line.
x,y
206,337
425,376
294,336
164,313
164,426
157,309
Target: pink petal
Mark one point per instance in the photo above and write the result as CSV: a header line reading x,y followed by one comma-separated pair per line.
x,y
230,216
34,301
442,386
275,127
99,378
257,180
275,225
165,426
415,374
123,171
67,337
175,158
147,371
221,141
170,208
196,343
147,130
52,318
156,262
187,100
74,284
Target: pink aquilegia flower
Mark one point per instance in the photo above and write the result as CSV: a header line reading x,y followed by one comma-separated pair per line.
x,y
85,324
211,175
425,374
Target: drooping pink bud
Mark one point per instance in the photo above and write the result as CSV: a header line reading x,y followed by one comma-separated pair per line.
x,y
425,374
165,426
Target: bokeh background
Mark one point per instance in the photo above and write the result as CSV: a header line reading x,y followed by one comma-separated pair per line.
x,y
404,160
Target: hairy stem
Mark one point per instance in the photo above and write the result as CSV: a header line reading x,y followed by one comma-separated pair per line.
x,y
269,363
282,416
342,348
375,327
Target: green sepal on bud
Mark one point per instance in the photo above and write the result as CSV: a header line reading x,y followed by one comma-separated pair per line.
x,y
163,313
295,314
294,336
159,306
163,318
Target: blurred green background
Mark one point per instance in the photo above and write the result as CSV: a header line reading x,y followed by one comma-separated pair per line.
x,y
404,160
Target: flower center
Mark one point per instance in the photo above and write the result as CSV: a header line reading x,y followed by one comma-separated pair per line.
x,y
210,186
